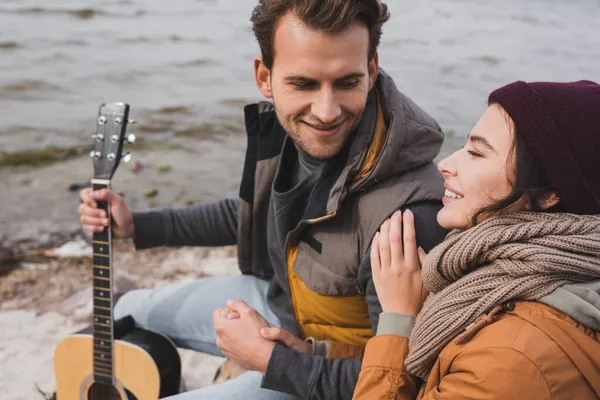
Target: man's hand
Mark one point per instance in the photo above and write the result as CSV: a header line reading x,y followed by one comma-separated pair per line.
x,y
95,220
275,334
240,339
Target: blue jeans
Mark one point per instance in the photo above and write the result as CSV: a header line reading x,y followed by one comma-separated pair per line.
x,y
183,312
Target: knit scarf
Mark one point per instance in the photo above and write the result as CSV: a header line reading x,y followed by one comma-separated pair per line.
x,y
521,256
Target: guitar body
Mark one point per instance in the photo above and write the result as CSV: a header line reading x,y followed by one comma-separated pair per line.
x,y
146,366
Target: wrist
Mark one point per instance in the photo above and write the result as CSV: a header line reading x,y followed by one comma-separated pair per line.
x,y
130,227
124,231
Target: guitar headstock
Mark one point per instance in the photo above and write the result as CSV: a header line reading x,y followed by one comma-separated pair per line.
x,y
111,132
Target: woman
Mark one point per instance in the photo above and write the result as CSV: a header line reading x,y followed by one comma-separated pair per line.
x,y
514,305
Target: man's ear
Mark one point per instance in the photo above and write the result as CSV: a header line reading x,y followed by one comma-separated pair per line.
x,y
550,201
373,70
262,75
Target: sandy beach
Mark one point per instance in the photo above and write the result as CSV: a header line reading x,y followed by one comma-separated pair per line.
x,y
51,300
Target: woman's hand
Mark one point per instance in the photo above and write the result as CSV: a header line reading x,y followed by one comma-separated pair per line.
x,y
276,334
396,265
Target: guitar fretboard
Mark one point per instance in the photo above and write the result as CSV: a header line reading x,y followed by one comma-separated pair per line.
x,y
103,302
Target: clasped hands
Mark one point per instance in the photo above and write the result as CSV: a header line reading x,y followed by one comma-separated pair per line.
x,y
246,337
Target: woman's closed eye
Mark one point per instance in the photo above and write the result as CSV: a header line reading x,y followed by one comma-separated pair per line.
x,y
474,153
471,152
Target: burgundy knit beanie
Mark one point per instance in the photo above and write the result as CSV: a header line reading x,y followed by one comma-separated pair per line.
x,y
560,124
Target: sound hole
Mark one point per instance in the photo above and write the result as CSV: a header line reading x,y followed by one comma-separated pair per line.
x,y
102,391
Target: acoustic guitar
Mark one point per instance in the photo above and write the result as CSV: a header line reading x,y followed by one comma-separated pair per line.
x,y
113,359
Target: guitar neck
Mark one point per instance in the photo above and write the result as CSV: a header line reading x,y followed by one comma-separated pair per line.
x,y
103,331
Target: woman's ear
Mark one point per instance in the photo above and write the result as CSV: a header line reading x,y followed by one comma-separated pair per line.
x,y
262,75
550,201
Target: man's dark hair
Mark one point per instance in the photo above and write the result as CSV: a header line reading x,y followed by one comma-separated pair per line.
x,y
330,16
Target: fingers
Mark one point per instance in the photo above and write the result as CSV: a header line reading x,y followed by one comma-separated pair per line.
x,y
233,315
109,196
92,219
410,241
375,261
395,246
239,306
396,251
384,245
92,224
274,334
91,211
86,197
90,197
225,313
287,338
100,195
229,314
277,334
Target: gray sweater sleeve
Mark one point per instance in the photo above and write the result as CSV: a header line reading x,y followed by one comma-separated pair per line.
x,y
213,224
316,377
309,376
391,323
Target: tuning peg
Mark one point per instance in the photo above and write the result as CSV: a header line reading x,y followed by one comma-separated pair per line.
x,y
132,121
98,137
127,157
95,154
114,138
131,138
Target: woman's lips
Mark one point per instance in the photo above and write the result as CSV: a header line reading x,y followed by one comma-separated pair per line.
x,y
450,195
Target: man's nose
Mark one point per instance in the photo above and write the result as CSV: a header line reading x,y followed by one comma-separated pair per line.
x,y
326,108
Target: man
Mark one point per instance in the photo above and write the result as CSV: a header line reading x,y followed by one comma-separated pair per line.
x,y
335,155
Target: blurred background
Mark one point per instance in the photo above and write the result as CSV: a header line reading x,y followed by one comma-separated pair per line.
x,y
185,67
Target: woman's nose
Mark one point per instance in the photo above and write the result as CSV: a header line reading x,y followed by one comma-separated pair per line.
x,y
447,166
